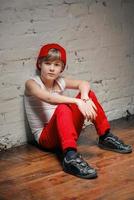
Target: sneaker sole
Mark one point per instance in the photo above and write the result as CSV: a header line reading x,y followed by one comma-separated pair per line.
x,y
117,151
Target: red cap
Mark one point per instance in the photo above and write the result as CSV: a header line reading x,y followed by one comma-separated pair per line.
x,y
45,49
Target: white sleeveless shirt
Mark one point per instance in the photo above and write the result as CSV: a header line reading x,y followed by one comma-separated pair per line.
x,y
39,112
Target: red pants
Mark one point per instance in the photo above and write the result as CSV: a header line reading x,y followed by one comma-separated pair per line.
x,y
66,124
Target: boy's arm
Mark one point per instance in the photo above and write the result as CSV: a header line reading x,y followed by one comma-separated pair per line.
x,y
84,89
82,86
33,89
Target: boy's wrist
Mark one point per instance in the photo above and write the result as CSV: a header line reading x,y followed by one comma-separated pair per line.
x,y
84,96
85,99
77,101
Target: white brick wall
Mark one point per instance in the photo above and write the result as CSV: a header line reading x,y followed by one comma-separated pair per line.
x,y
98,36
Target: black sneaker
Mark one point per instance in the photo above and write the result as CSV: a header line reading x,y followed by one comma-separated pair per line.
x,y
113,143
78,167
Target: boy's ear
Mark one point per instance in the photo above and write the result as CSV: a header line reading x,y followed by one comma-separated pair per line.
x,y
63,67
39,65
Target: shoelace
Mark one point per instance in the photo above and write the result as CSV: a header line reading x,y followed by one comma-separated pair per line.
x,y
80,161
116,138
83,165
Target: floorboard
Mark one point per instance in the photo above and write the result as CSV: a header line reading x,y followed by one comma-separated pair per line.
x,y
30,173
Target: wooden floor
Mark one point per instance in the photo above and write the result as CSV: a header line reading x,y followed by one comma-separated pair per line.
x,y
29,173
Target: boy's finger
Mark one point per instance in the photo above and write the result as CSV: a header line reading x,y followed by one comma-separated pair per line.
x,y
94,106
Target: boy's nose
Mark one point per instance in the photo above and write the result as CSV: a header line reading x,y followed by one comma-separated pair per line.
x,y
51,67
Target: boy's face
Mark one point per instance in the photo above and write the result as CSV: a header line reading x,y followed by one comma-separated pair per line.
x,y
51,69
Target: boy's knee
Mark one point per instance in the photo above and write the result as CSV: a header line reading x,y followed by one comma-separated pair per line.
x,y
63,108
91,94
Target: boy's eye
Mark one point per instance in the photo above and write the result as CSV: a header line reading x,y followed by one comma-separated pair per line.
x,y
57,64
47,63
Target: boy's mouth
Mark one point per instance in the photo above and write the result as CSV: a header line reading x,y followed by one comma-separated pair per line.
x,y
50,74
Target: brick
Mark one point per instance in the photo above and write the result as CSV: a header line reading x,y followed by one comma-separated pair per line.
x,y
19,28
77,10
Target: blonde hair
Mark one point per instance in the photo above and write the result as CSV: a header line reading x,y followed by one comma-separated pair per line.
x,y
53,54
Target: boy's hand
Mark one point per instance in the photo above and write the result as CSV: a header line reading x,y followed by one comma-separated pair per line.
x,y
88,109
92,108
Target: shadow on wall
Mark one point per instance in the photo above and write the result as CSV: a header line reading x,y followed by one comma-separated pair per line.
x,y
29,135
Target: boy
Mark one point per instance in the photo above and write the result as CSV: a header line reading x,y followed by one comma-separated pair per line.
x,y
56,120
